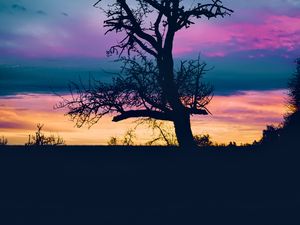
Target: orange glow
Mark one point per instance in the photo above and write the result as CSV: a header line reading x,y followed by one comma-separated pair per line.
x,y
240,118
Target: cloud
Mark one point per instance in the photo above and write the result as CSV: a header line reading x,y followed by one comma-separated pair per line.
x,y
272,33
254,26
41,12
11,125
18,7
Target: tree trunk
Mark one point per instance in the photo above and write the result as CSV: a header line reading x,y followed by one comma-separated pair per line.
x,y
181,118
183,131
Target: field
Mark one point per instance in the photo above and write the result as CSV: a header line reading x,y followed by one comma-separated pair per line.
x,y
148,186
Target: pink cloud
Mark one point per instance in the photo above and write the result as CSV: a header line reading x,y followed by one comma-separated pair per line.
x,y
217,39
84,38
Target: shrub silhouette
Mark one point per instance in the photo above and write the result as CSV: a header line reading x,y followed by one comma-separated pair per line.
x,y
126,140
3,140
113,141
271,135
203,140
39,139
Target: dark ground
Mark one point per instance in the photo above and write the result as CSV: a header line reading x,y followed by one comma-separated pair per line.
x,y
149,186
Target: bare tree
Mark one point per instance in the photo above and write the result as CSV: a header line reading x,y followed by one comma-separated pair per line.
x,y
150,88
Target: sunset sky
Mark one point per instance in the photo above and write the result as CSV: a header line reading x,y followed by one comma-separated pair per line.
x,y
46,44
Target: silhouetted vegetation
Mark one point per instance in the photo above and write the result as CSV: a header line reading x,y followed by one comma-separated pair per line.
x,y
40,139
203,140
288,131
149,87
3,140
291,125
126,140
162,132
112,141
272,134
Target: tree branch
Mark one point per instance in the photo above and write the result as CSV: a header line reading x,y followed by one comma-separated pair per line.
x,y
209,10
136,28
142,113
194,111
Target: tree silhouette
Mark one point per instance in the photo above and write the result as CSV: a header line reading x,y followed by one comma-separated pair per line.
x,y
288,131
291,123
294,90
151,88
271,135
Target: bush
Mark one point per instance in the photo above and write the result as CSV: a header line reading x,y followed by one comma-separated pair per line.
x,y
113,141
271,135
39,139
3,141
127,140
203,140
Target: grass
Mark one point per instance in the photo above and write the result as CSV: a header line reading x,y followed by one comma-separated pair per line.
x,y
86,185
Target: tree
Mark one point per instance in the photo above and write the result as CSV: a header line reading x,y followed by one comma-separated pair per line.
x,y
294,97
151,88
288,131
271,135
294,89
39,139
291,125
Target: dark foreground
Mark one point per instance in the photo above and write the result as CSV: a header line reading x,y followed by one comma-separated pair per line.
x,y
149,186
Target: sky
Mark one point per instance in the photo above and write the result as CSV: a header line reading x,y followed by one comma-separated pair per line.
x,y
46,44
